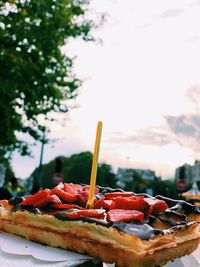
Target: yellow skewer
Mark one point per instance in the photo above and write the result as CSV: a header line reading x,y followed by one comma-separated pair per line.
x,y
90,201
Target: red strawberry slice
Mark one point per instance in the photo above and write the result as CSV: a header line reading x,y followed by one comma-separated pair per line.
x,y
30,200
84,194
156,205
131,203
65,206
72,188
113,195
41,203
60,186
104,203
64,196
94,213
86,188
82,198
120,215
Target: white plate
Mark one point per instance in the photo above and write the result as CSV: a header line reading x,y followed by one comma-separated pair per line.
x,y
13,244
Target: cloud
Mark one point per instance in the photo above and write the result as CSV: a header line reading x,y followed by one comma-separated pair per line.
x,y
181,124
183,129
149,136
186,130
195,4
170,13
143,26
193,94
195,38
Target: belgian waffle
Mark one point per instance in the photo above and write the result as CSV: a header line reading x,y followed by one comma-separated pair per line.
x,y
107,232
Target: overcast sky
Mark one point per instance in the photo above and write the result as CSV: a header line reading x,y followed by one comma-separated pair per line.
x,y
143,82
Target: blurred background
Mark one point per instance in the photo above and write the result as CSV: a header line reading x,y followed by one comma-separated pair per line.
x,y
133,64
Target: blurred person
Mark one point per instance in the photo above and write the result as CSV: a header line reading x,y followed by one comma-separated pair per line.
x,y
13,187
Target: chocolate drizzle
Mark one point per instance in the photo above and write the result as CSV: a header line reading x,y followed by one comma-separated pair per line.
x,y
180,205
173,218
96,221
143,231
104,190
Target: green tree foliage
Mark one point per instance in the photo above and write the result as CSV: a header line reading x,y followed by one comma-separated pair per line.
x,y
164,187
158,186
105,175
139,185
77,169
35,76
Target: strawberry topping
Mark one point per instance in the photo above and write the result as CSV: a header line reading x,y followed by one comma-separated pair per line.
x,y
120,215
116,206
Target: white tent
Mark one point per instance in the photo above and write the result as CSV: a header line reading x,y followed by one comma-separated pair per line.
x,y
193,193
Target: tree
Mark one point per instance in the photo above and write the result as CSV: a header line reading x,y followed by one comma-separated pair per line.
x,y
105,175
35,76
138,184
77,169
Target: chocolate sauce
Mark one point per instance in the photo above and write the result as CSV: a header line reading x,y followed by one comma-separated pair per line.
x,y
178,227
143,231
180,205
104,190
172,218
62,216
96,221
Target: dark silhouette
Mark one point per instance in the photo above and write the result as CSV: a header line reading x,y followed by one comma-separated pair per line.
x,y
4,193
58,165
35,189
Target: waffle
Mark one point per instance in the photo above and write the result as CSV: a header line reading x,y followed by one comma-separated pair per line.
x,y
159,230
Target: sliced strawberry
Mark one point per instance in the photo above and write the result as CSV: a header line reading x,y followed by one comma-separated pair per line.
x,y
41,203
156,205
84,194
72,188
82,198
60,186
113,195
30,200
64,196
65,206
94,213
131,203
104,203
87,189
120,215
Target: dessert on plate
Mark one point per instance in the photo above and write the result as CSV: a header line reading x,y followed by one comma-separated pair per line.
x,y
122,227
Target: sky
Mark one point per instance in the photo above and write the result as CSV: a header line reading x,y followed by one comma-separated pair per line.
x,y
142,80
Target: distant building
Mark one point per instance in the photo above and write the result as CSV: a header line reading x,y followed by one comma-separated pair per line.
x,y
188,173
146,174
196,171
125,175
184,172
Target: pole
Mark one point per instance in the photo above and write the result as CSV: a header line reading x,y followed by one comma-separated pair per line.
x,y
38,181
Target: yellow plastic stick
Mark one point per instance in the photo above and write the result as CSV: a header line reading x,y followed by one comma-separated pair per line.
x,y
90,201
